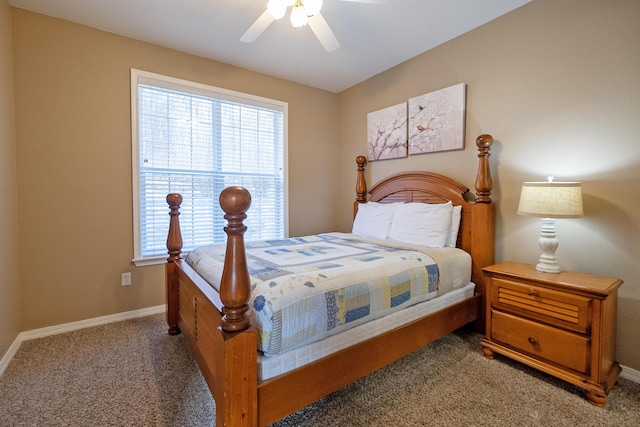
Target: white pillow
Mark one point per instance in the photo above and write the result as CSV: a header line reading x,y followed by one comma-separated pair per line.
x,y
373,220
456,214
422,224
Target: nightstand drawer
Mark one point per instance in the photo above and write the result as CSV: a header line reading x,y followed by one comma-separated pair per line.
x,y
562,309
561,347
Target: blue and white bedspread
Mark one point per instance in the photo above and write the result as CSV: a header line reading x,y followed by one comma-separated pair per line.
x,y
307,288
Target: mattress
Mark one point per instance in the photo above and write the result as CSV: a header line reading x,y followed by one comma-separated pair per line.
x,y
308,288
272,366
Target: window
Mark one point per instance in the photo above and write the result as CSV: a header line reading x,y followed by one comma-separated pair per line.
x,y
196,140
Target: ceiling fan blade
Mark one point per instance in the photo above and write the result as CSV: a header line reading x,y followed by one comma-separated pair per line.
x,y
324,34
257,27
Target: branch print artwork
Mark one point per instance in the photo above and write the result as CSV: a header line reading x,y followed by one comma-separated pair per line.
x,y
387,133
436,120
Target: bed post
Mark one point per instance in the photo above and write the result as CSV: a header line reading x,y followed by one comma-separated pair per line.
x,y
483,242
361,184
484,184
239,405
235,286
174,246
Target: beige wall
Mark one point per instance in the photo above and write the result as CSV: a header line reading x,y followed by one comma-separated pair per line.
x,y
74,163
557,84
9,290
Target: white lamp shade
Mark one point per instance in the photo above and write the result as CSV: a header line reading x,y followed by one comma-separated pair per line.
x,y
551,199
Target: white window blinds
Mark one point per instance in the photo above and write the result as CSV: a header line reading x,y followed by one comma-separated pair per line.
x,y
197,140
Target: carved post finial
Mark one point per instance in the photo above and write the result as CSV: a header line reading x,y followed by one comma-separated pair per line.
x,y
235,286
361,183
484,184
174,238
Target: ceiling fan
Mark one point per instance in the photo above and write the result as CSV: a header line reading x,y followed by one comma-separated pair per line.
x,y
303,12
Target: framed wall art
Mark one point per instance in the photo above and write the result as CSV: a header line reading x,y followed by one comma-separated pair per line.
x,y
436,120
387,133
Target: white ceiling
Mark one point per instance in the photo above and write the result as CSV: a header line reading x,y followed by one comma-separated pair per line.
x,y
374,35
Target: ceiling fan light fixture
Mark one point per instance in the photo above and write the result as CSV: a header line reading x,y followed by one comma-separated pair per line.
x,y
303,12
298,15
277,8
312,7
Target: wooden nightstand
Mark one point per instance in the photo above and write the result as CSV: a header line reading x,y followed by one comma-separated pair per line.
x,y
563,324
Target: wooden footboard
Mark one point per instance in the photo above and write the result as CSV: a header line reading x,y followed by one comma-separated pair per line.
x,y
224,344
215,325
227,360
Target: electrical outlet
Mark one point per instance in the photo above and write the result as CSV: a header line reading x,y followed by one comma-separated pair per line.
x,y
125,280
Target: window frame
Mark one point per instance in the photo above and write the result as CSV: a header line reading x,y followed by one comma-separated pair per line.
x,y
148,78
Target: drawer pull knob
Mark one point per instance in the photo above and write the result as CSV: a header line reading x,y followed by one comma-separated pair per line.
x,y
533,340
533,292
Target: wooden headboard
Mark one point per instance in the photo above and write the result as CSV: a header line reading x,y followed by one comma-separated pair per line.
x,y
477,225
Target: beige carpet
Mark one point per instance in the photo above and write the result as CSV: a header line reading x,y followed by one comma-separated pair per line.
x,y
132,373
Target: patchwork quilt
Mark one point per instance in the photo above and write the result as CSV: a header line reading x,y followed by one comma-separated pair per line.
x,y
307,288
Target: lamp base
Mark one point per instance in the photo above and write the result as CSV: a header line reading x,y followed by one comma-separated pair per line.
x,y
547,267
548,245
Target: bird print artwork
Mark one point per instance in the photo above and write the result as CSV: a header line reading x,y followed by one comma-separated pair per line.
x,y
387,133
436,120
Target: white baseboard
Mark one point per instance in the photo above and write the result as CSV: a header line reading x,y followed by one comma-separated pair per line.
x,y
4,362
630,374
96,321
74,326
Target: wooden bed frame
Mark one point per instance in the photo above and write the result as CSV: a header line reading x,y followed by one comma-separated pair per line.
x,y
224,344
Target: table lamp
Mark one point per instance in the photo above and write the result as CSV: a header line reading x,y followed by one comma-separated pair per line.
x,y
550,200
